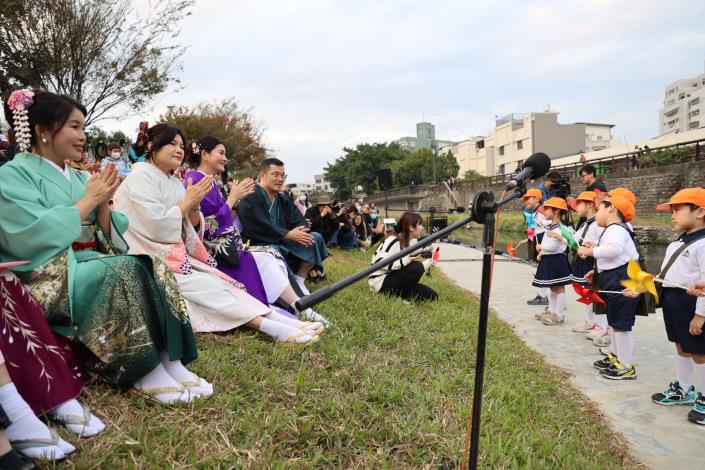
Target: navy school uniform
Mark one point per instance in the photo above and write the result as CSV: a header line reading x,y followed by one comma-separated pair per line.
x,y
587,231
679,308
554,269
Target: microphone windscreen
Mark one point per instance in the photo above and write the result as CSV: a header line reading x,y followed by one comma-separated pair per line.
x,y
540,163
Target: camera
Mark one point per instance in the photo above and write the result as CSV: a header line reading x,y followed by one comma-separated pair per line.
x,y
389,225
562,187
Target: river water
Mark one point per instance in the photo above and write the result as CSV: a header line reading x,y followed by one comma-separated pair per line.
x,y
653,253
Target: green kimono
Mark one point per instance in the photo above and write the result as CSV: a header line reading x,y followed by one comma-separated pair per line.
x,y
124,309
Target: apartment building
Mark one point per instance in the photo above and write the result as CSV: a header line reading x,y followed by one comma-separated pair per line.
x,y
683,106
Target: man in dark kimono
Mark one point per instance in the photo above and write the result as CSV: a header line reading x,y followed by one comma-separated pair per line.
x,y
270,218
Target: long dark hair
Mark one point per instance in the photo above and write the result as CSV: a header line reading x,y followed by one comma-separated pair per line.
x,y
159,135
406,221
196,148
49,110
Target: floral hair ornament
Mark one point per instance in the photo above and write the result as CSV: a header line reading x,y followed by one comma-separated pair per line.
x,y
18,102
142,135
195,147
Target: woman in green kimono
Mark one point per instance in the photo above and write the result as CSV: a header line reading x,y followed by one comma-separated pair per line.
x,y
126,310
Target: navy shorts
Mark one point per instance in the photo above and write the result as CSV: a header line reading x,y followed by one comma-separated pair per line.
x,y
621,310
678,311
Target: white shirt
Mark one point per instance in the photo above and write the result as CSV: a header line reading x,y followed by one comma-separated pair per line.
x,y
616,248
541,222
389,247
551,246
64,171
591,235
689,267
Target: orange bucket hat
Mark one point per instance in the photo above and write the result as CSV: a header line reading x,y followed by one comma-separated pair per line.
x,y
625,193
556,203
588,196
624,205
533,192
685,196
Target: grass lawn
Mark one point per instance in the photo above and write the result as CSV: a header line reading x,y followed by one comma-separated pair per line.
x,y
388,387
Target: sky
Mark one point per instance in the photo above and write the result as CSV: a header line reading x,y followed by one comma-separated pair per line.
x,y
322,75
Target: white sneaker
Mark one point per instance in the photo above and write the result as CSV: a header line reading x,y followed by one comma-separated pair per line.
x,y
584,327
596,334
602,341
311,315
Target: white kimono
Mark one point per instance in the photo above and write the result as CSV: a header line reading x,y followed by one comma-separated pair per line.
x,y
150,199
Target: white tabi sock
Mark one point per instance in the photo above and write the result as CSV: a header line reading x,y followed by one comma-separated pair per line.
x,y
181,374
73,408
278,317
685,368
160,378
25,425
280,331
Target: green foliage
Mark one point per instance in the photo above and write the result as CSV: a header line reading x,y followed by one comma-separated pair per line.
x,y
667,156
473,175
358,167
104,53
235,127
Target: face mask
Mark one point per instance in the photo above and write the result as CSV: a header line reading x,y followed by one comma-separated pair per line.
x,y
115,154
374,216
302,198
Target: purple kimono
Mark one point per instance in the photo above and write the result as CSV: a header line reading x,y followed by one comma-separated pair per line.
x,y
221,230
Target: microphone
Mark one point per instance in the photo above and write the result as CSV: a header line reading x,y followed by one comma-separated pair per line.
x,y
534,167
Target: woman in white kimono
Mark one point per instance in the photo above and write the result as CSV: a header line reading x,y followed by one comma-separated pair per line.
x,y
162,215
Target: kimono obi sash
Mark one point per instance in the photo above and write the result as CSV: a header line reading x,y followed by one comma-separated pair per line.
x,y
87,239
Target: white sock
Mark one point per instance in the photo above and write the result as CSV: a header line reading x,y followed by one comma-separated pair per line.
x,y
181,374
74,408
300,281
613,343
602,321
542,291
625,347
701,375
281,331
552,302
560,305
590,315
685,368
25,425
160,378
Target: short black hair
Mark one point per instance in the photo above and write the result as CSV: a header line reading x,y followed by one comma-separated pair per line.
x,y
267,162
554,175
606,203
589,169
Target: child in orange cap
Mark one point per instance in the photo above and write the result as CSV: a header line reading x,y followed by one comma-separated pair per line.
x,y
587,234
554,269
615,248
683,314
535,222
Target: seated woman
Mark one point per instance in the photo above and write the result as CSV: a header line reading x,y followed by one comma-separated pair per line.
x,y
402,277
126,310
363,234
261,269
162,217
41,366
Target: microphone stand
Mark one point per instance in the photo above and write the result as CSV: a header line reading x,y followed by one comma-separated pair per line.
x,y
483,212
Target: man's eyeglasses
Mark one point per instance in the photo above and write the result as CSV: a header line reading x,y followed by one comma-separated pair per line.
x,y
277,175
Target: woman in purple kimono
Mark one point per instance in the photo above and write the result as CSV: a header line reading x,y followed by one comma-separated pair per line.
x,y
261,269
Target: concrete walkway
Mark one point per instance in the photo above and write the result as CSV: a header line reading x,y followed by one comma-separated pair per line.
x,y
659,436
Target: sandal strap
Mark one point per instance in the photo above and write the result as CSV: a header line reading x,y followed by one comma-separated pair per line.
x,y
150,392
73,419
22,444
194,382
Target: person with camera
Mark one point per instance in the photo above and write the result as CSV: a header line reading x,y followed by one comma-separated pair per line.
x,y
345,236
588,175
550,185
322,218
401,278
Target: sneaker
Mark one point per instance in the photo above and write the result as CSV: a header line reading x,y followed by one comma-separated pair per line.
x,y
553,319
538,301
605,363
619,372
602,341
584,327
605,351
541,315
675,395
596,333
311,315
697,414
